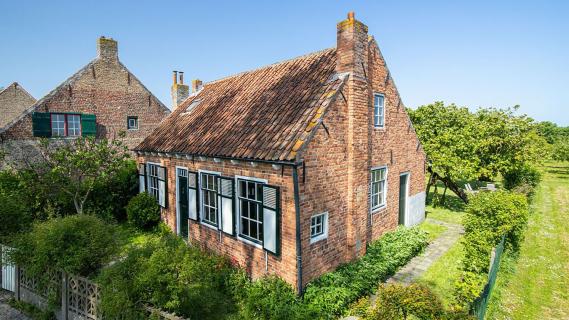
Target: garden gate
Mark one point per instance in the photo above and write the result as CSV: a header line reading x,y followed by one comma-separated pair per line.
x,y
8,270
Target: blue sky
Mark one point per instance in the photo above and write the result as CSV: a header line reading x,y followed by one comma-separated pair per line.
x,y
476,53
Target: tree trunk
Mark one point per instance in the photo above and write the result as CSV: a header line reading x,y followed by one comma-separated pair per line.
x,y
444,196
451,185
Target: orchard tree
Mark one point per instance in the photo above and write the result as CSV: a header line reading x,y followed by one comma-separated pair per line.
x,y
73,167
461,145
561,150
507,142
449,135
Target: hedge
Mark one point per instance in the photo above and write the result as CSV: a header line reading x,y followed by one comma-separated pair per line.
x,y
333,292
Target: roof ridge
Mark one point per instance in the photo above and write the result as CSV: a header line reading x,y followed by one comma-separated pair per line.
x,y
271,65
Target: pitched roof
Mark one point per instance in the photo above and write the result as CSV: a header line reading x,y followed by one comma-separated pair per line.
x,y
264,114
70,81
14,100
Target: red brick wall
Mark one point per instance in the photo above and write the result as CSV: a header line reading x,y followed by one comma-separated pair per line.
x,y
250,257
338,167
110,92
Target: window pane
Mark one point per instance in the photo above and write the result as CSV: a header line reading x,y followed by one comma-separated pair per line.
x,y
58,125
73,125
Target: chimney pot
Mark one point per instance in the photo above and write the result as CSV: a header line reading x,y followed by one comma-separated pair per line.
x,y
174,77
181,77
351,15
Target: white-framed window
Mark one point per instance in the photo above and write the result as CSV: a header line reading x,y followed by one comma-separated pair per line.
x,y
378,188
378,110
152,179
153,185
65,125
318,227
132,123
208,190
73,125
250,198
58,125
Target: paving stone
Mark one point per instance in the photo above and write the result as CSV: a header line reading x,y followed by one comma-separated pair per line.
x,y
7,312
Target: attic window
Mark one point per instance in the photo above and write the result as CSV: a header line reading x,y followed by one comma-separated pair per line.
x,y
193,105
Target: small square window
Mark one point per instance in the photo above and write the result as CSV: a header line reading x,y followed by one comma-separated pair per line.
x,y
132,123
319,227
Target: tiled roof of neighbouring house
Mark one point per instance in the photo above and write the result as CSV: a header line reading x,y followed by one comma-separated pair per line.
x,y
264,114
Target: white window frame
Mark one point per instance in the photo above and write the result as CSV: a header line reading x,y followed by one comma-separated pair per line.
x,y
128,119
324,234
73,131
383,201
202,203
149,180
238,209
380,116
57,121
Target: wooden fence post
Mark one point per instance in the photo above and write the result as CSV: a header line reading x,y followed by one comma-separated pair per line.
x,y
64,295
17,282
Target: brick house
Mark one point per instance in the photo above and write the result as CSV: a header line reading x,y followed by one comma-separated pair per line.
x,y
103,98
292,168
14,101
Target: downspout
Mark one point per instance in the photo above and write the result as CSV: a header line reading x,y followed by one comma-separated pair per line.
x,y
298,233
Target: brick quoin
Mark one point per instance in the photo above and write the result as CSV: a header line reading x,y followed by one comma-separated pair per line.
x,y
334,172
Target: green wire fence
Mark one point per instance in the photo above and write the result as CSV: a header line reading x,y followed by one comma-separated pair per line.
x,y
480,305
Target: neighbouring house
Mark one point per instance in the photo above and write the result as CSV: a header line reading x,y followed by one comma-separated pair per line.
x,y
293,168
101,99
14,101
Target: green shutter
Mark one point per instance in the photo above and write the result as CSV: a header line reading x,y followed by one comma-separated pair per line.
x,y
88,125
41,124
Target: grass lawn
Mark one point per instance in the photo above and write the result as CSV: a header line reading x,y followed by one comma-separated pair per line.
x,y
129,236
432,229
442,274
537,287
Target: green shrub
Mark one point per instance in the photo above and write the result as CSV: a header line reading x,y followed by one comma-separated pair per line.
x,y
271,298
78,244
489,217
110,196
523,180
143,212
396,301
167,274
332,293
14,218
494,214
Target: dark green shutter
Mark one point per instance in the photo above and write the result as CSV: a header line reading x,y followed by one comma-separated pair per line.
x,y
88,125
41,124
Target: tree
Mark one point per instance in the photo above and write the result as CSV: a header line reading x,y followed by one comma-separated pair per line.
x,y
561,150
449,137
74,167
462,145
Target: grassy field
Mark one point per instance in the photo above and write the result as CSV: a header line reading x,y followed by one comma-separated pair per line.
x,y
537,285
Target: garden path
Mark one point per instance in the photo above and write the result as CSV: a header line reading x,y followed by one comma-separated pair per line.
x,y
419,264
6,311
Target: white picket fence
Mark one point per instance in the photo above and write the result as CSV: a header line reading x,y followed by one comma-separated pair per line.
x,y
8,270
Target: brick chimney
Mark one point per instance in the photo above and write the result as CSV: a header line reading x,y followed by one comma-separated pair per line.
x,y
197,85
107,49
179,90
351,47
352,59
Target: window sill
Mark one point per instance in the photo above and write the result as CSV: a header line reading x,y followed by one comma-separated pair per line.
x,y
133,129
247,241
209,225
379,128
318,238
379,209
